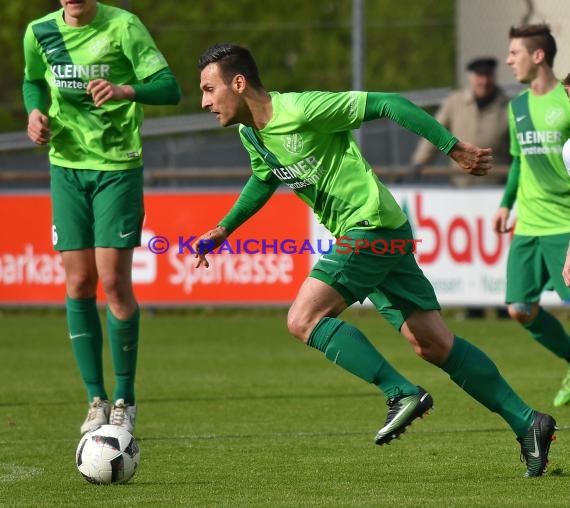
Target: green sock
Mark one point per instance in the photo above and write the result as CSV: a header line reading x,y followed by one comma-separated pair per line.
x,y
347,346
124,339
476,373
549,332
87,343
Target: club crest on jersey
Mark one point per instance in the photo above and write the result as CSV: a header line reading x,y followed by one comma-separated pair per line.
x,y
293,143
554,116
100,47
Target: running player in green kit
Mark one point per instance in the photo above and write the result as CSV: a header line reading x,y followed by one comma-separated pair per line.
x,y
89,68
304,140
539,121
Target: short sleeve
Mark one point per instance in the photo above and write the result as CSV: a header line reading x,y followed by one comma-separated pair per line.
x,y
34,66
333,111
258,166
141,50
515,149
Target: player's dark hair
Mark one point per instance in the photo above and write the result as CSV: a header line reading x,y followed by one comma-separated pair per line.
x,y
566,80
232,60
536,37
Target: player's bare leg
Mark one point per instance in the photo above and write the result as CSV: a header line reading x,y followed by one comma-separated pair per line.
x,y
475,373
312,319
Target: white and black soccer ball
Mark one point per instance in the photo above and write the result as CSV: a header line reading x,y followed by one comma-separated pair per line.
x,y
108,454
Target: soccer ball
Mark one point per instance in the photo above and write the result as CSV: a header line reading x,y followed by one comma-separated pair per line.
x,y
108,454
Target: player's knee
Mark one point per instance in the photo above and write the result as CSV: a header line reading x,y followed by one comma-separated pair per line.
x,y
116,287
427,334
111,282
298,326
295,326
434,353
81,285
522,312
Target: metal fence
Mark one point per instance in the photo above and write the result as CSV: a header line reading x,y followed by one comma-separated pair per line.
x,y
192,150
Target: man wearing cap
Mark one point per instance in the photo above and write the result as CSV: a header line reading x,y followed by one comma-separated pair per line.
x,y
477,114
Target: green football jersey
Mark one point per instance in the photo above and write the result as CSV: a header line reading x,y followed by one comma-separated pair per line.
x,y
539,126
312,150
115,46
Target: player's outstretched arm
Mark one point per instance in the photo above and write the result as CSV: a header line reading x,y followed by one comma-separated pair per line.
x,y
472,159
207,243
252,198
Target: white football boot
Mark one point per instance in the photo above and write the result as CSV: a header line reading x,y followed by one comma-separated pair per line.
x,y
97,415
123,415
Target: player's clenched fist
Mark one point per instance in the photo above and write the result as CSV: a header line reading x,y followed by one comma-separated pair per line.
x,y
38,127
102,91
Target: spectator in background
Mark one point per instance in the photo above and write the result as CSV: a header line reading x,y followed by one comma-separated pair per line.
x,y
84,85
477,114
539,123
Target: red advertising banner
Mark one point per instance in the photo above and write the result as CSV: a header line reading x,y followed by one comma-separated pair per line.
x,y
262,263
30,270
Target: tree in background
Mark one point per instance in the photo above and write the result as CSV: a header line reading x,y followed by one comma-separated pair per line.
x,y
408,45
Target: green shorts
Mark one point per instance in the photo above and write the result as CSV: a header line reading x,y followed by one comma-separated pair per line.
x,y
92,208
535,264
380,265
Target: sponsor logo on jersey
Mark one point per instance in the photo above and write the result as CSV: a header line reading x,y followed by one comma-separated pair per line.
x,y
78,76
300,174
540,142
88,72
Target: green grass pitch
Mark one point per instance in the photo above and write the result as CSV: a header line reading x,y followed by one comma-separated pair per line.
x,y
234,412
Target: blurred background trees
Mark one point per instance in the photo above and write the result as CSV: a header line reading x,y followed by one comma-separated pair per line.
x,y
409,45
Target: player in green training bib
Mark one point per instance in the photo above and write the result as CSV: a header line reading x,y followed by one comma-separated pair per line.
x,y
89,68
539,122
304,140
